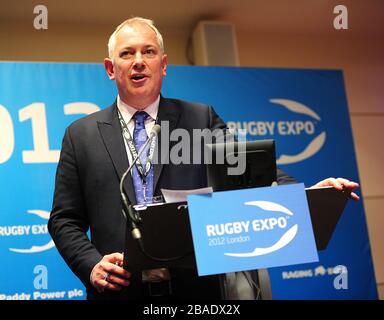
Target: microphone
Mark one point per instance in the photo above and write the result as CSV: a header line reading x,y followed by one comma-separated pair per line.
x,y
128,210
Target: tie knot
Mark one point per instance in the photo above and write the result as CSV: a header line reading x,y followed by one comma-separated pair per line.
x,y
140,117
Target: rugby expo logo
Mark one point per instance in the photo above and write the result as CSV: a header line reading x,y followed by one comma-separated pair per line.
x,y
295,128
278,221
29,233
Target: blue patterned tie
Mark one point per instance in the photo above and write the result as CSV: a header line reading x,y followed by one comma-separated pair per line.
x,y
144,192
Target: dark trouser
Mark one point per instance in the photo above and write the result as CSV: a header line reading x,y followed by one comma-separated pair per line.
x,y
184,284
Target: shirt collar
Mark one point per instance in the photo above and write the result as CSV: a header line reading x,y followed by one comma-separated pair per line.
x,y
127,111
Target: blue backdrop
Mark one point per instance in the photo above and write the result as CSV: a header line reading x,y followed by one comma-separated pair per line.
x,y
304,110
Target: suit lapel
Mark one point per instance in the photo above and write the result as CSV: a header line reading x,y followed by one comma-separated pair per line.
x,y
170,112
110,132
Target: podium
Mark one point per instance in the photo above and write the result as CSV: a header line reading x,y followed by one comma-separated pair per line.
x,y
167,238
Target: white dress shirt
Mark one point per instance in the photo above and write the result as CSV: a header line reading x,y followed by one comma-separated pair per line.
x,y
127,113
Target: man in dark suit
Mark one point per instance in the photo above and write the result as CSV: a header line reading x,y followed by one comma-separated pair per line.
x,y
95,154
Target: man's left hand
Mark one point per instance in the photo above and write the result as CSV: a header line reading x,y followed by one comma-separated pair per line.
x,y
340,184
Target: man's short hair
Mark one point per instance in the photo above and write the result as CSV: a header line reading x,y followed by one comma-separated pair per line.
x,y
132,22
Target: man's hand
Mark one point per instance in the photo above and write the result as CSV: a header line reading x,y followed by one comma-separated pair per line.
x,y
109,274
340,184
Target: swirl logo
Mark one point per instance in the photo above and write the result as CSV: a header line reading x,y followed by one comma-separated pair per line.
x,y
314,146
283,241
36,230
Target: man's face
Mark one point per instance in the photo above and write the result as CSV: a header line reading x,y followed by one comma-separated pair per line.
x,y
138,65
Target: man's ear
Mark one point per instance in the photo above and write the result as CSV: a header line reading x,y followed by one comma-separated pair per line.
x,y
164,64
108,65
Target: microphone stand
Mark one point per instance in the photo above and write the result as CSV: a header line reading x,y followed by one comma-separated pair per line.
x,y
130,212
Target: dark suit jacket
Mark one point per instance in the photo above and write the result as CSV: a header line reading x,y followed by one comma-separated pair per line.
x,y
92,161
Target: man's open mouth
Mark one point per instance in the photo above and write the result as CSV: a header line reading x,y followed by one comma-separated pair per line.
x,y
138,77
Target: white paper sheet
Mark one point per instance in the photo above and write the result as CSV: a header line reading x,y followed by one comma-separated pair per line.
x,y
181,195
